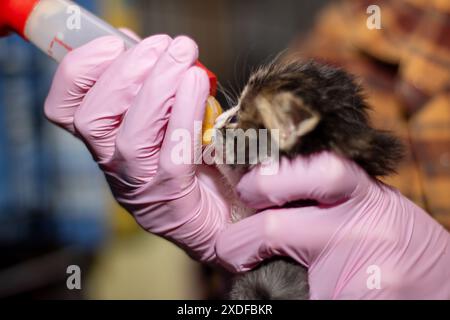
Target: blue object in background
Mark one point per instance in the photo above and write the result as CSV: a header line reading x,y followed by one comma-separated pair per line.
x,y
17,150
50,189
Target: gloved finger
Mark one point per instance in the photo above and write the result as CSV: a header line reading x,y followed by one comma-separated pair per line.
x,y
77,73
324,177
131,34
297,233
98,118
182,142
143,128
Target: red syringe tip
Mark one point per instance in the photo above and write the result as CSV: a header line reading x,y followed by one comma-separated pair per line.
x,y
212,79
14,15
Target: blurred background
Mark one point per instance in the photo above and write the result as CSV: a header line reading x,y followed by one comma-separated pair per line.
x,y
55,208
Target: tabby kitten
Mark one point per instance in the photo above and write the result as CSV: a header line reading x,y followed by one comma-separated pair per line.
x,y
314,107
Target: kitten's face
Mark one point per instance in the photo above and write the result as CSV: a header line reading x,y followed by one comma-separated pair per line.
x,y
269,115
298,109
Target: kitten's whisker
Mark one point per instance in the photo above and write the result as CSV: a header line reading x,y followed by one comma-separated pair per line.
x,y
228,96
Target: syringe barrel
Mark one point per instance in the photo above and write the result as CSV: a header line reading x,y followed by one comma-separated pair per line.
x,y
58,26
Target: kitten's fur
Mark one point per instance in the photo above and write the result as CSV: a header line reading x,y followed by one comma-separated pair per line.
x,y
315,107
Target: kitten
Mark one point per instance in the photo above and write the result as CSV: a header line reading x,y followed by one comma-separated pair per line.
x,y
315,107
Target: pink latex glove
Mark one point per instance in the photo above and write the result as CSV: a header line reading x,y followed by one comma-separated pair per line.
x,y
125,105
365,240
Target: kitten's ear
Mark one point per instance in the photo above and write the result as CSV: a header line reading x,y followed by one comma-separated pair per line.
x,y
289,114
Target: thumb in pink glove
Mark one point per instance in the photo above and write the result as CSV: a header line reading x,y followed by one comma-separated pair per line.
x,y
126,106
363,241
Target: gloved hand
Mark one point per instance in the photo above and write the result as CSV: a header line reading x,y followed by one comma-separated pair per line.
x,y
363,241
126,106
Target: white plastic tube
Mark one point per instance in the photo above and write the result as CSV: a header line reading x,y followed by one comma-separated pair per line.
x,y
58,26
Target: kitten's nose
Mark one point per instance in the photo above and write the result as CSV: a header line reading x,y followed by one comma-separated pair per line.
x,y
233,119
